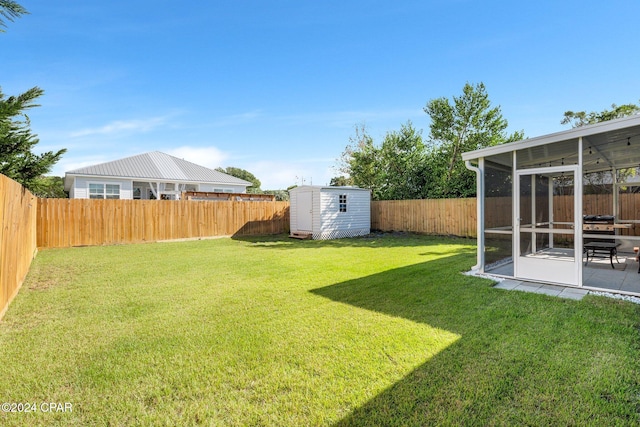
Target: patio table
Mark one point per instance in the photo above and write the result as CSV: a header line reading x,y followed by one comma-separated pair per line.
x,y
602,249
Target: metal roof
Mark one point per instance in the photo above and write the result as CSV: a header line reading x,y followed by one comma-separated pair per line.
x,y
328,187
610,144
157,166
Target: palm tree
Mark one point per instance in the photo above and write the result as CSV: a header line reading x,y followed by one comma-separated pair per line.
x,y
9,10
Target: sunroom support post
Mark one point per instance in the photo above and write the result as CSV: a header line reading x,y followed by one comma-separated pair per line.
x,y
616,192
550,203
534,236
578,192
479,170
515,219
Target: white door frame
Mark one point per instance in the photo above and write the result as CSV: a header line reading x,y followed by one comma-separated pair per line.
x,y
543,269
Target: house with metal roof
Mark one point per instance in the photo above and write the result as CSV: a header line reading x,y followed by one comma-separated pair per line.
x,y
549,207
147,176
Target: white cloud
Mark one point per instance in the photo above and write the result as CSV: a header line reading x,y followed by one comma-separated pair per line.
x,y
237,119
77,162
210,157
120,126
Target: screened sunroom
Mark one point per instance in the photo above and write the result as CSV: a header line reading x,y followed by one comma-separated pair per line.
x,y
562,208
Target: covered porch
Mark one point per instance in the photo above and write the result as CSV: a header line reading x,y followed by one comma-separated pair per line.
x,y
158,190
562,208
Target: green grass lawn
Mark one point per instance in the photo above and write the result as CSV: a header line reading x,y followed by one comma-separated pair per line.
x,y
274,331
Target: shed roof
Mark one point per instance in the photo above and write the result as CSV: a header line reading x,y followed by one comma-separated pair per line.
x,y
158,166
328,187
610,144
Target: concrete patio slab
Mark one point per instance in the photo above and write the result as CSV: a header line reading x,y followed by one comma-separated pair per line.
x,y
540,288
508,284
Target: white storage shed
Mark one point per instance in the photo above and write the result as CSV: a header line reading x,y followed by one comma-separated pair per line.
x,y
324,213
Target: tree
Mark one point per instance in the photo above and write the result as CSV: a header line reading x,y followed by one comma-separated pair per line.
x,y
600,182
403,173
49,187
404,167
361,161
341,181
9,10
582,118
468,123
281,195
243,174
17,160
394,170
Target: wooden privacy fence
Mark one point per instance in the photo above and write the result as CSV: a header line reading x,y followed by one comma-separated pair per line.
x,y
28,222
17,238
430,216
84,222
458,217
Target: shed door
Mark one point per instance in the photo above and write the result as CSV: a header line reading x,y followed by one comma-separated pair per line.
x,y
305,211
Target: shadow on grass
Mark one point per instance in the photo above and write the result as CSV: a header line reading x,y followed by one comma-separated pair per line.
x,y
521,359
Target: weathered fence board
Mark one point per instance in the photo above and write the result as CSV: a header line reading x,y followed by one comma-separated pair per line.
x,y
17,238
458,217
431,216
84,222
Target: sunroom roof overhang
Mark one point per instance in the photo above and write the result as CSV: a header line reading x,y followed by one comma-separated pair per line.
x,y
614,144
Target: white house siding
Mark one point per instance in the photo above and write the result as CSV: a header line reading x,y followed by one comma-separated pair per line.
x,y
126,190
80,188
356,221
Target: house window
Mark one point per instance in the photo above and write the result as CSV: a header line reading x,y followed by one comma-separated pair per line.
x,y
112,191
343,202
137,193
104,191
96,191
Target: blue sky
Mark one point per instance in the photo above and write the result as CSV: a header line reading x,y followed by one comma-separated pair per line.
x,y
277,87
